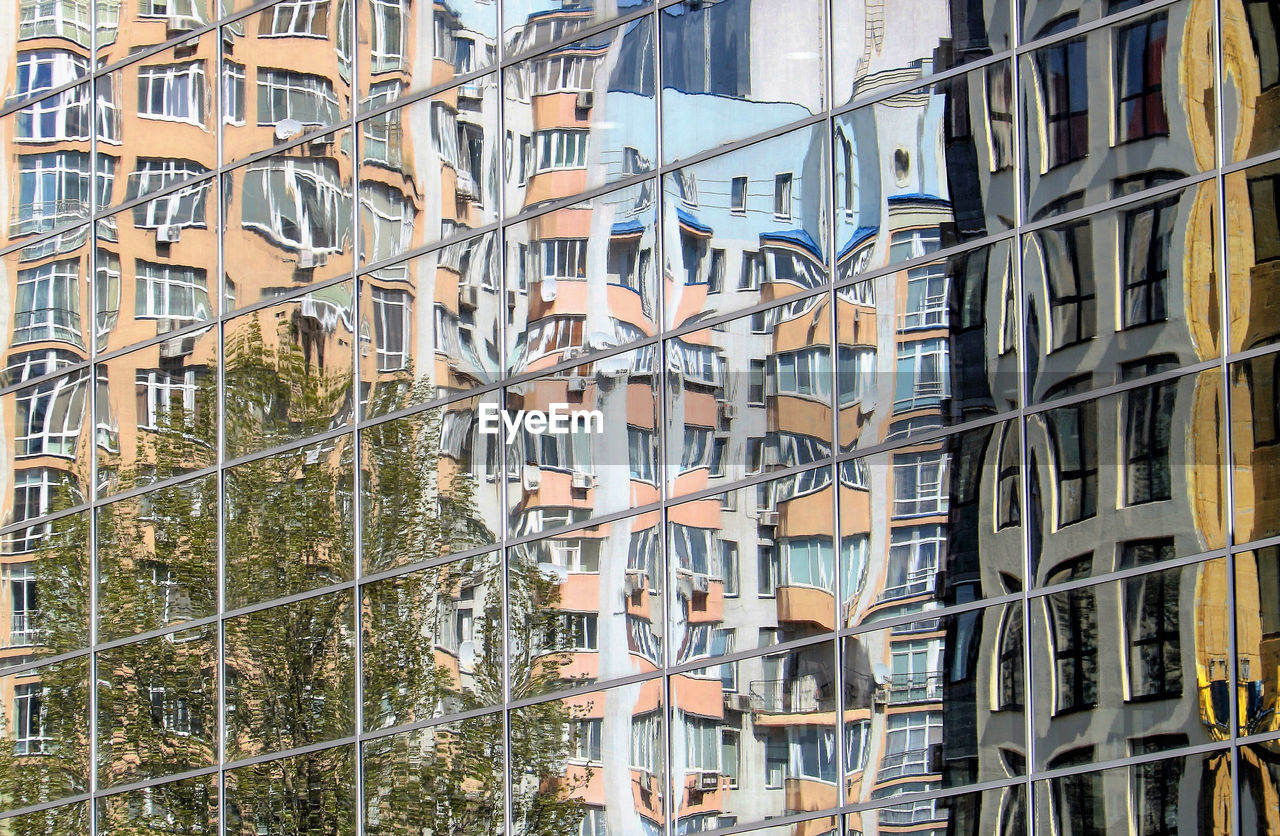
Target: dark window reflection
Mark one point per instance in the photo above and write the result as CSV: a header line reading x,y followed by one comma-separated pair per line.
x,y
1156,787
1068,260
1074,626
1010,671
1152,622
1257,383
1148,427
1074,432
1065,84
1009,486
1264,29
1077,799
1140,79
1145,248
1264,197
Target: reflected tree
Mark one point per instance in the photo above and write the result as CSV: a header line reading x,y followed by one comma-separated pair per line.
x,y
179,808
157,567
421,506
48,757
289,670
44,711
283,389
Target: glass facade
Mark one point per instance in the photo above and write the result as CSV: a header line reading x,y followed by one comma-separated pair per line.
x,y
930,356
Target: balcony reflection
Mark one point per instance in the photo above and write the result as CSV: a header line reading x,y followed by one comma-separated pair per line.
x,y
773,718
938,701
580,116
606,762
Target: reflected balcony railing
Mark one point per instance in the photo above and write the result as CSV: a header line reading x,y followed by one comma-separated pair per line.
x,y
925,686
803,695
908,814
63,242
932,314
25,540
909,762
1256,712
924,625
918,582
55,20
47,324
34,217
923,504
22,631
925,393
176,21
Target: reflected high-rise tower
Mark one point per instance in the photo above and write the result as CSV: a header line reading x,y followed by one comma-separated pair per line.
x,y
933,343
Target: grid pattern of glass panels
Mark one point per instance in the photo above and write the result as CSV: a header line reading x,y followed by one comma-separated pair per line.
x,y
924,373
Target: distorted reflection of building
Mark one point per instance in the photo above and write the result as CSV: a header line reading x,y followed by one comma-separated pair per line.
x,y
911,428
1250,66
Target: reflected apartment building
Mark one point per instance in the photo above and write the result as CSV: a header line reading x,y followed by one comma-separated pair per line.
x,y
934,343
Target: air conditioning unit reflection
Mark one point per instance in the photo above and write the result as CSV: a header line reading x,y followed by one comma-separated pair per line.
x,y
469,297
709,781
168,234
728,411
182,23
646,781
310,259
586,100
177,347
531,477
466,185
634,581
513,298
581,481
701,583
737,702
767,519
